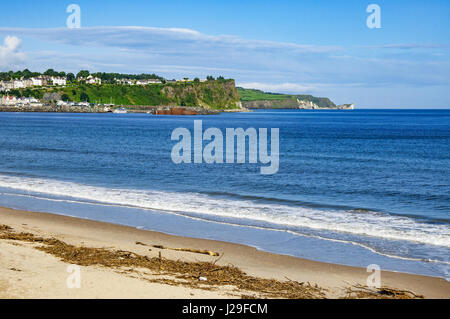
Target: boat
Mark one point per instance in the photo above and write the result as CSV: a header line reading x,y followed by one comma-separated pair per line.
x,y
120,110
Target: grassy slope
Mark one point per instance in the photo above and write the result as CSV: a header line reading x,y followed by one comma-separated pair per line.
x,y
218,94
248,95
254,95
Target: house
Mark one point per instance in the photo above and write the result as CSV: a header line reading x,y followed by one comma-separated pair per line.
x,y
37,81
19,84
30,100
125,81
83,104
27,82
6,85
62,103
90,80
9,85
58,80
9,101
93,80
36,104
147,82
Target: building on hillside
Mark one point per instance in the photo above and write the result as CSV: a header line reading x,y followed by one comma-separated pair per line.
x,y
58,80
7,85
125,81
27,83
9,100
62,103
39,81
19,84
93,80
147,82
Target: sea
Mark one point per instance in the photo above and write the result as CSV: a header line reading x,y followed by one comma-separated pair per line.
x,y
355,188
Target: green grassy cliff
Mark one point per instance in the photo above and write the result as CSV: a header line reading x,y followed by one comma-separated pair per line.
x,y
212,94
252,98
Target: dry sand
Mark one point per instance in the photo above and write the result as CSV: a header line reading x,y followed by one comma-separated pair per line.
x,y
26,272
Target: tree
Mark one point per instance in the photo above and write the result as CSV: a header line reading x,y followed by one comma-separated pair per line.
x,y
17,75
27,74
210,78
83,74
70,77
84,97
197,80
65,97
51,72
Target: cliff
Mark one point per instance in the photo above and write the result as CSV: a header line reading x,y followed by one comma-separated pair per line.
x,y
213,94
210,94
257,99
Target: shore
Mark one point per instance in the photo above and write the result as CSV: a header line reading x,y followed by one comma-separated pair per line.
x,y
155,110
119,262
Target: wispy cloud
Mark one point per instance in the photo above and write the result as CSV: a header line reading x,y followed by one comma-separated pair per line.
x,y
408,46
151,38
10,55
292,88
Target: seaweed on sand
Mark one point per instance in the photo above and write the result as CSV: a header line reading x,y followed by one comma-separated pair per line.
x,y
185,273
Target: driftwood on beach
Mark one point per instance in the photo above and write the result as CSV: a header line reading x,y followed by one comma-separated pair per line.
x,y
190,250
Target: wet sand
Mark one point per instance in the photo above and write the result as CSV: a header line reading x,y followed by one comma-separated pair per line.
x,y
26,272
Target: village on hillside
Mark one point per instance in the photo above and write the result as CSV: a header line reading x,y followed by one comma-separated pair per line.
x,y
62,80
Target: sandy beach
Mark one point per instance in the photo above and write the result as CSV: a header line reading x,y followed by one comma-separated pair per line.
x,y
28,271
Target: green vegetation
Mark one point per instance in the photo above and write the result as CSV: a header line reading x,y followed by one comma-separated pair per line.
x,y
218,94
214,93
251,96
105,77
254,95
26,74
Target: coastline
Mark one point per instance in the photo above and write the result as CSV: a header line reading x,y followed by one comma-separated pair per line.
x,y
29,273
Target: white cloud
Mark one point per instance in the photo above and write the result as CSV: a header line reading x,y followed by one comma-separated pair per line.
x,y
161,39
292,88
9,52
408,46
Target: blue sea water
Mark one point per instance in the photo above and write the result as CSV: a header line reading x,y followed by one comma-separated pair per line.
x,y
354,187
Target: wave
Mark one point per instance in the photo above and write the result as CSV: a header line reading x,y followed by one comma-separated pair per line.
x,y
248,210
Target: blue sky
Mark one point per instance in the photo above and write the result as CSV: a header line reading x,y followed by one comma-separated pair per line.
x,y
316,47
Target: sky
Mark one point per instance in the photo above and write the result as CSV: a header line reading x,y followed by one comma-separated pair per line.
x,y
318,47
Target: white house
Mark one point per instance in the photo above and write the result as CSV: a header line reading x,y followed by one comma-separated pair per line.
x,y
58,80
125,81
83,104
93,80
62,103
147,82
19,84
9,100
8,85
36,81
30,100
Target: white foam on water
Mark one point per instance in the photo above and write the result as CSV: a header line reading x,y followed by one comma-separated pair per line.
x,y
346,221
